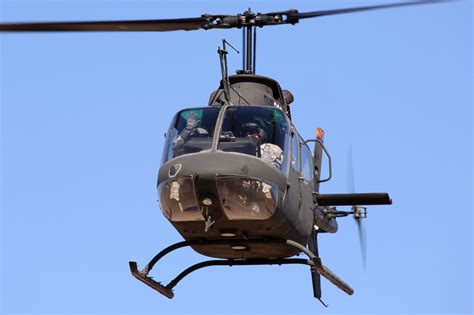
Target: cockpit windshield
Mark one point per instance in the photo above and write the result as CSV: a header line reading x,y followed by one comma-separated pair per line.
x,y
260,131
191,131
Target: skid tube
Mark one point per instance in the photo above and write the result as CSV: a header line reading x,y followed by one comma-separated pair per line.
x,y
167,290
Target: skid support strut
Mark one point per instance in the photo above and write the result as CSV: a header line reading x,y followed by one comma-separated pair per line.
x,y
167,290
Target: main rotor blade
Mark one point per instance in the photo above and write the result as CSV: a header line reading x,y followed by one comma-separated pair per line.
x,y
186,24
247,19
305,15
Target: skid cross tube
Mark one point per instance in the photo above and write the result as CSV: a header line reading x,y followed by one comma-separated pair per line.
x,y
173,247
313,261
237,262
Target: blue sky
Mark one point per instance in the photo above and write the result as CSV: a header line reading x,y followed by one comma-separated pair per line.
x,y
82,123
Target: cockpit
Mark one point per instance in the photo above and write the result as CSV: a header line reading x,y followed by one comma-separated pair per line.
x,y
261,131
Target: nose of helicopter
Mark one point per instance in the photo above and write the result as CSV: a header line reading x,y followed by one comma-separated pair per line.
x,y
208,164
216,184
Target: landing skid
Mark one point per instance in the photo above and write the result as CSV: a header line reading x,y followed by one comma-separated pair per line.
x,y
167,290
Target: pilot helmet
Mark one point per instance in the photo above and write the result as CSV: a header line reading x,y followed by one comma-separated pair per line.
x,y
253,130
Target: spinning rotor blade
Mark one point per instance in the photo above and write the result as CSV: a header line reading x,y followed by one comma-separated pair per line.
x,y
356,209
247,19
362,241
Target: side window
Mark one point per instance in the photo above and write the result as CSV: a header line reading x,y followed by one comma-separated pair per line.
x,y
171,134
306,163
295,158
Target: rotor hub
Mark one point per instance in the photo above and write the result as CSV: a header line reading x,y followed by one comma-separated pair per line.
x,y
250,19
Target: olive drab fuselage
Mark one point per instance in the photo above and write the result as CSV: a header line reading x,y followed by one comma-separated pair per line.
x,y
238,171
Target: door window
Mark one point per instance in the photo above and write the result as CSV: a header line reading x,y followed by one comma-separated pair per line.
x,y
295,152
306,163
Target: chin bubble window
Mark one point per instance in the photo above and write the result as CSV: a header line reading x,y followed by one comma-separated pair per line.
x,y
245,198
178,200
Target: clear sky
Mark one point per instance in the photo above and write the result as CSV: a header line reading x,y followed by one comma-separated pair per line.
x,y
82,123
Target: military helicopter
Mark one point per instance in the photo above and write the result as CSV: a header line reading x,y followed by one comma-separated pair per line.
x,y
237,180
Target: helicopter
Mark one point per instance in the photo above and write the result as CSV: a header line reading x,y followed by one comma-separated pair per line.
x,y
237,180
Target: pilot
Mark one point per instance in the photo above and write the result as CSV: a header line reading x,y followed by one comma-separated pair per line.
x,y
269,152
193,128
183,136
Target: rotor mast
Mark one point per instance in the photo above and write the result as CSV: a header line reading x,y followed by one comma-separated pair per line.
x,y
249,47
249,43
